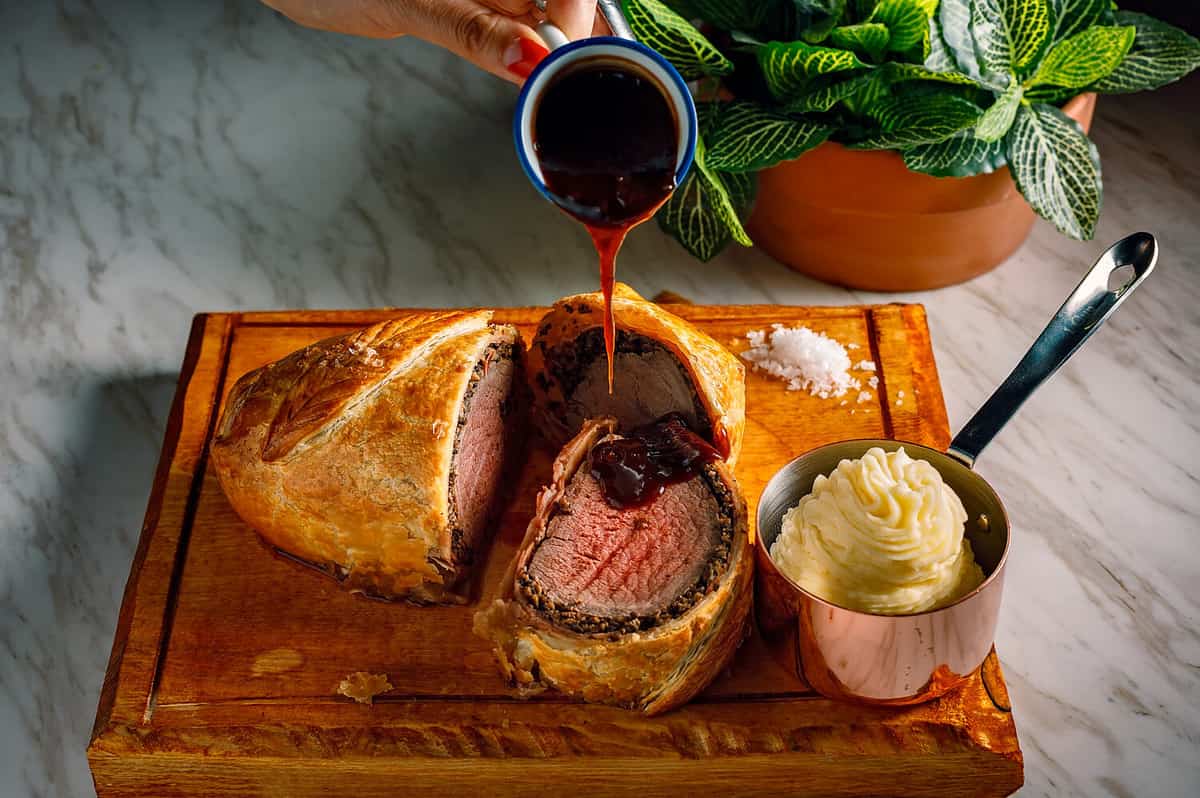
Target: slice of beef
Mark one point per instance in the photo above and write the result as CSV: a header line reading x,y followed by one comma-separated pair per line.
x,y
599,569
487,446
649,382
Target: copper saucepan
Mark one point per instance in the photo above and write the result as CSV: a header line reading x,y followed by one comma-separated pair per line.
x,y
907,659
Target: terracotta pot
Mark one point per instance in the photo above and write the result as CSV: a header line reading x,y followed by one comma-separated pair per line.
x,y
860,218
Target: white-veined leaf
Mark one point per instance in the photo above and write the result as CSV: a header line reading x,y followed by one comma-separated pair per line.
x,y
961,155
1160,54
996,120
1085,57
747,137
906,121
1056,168
1010,36
657,26
787,66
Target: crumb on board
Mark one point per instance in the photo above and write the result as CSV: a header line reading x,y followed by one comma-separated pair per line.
x,y
363,686
873,381
864,396
899,394
852,346
865,365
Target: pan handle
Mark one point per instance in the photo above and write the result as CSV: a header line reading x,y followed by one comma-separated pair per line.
x,y
1086,308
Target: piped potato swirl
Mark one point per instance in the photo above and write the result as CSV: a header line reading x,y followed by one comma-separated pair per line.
x,y
881,534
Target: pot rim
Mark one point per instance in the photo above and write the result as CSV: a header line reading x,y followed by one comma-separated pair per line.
x,y
761,546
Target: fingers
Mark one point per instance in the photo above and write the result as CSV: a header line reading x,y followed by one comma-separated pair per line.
x,y
576,18
487,35
491,40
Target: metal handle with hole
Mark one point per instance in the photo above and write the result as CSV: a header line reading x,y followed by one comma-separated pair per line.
x,y
554,38
1085,310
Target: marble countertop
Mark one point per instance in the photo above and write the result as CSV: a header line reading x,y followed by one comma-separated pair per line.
x,y
159,159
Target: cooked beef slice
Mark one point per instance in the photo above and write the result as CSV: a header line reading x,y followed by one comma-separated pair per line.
x,y
649,382
485,443
600,569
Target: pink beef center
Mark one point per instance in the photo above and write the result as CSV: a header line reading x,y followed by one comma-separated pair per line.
x,y
608,562
480,458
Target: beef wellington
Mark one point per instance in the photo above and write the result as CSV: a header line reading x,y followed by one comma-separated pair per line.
x,y
379,455
636,605
662,364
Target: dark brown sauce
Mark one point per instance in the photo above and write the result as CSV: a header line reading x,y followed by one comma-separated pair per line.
x,y
635,469
606,138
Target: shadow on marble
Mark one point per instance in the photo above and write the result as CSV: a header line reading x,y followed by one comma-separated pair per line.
x,y
60,605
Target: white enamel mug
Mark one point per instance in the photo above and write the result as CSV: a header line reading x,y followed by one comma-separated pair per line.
x,y
564,54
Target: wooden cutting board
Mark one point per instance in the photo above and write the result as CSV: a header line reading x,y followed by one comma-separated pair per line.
x,y
225,670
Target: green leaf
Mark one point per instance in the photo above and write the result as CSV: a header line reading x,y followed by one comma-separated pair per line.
x,y
1161,54
906,20
1075,16
809,20
747,137
1010,36
954,22
728,14
741,187
996,120
703,213
817,17
1085,57
868,38
910,120
940,59
722,202
657,26
787,66
1051,95
961,155
860,10
896,72
824,93
1056,168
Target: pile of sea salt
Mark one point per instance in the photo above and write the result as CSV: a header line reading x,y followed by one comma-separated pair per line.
x,y
808,360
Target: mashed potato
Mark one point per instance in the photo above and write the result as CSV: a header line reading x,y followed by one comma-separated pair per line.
x,y
881,534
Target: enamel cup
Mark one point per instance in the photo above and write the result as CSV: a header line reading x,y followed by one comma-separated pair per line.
x,y
565,55
906,659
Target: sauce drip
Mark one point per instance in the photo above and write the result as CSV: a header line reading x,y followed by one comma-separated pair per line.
x,y
633,470
606,139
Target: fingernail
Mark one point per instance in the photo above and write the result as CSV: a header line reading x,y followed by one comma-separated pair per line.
x,y
523,55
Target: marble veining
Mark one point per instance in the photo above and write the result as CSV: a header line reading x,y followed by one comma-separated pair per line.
x,y
159,159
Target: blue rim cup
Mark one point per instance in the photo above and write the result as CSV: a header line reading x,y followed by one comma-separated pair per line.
x,y
610,48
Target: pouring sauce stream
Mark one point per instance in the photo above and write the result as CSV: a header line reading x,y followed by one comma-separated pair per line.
x,y
606,139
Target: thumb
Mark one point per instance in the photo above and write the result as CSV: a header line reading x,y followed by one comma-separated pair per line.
x,y
576,18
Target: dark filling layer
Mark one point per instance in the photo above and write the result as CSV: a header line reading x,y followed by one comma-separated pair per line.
x,y
486,442
650,382
601,569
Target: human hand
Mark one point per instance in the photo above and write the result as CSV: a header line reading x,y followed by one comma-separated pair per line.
x,y
496,35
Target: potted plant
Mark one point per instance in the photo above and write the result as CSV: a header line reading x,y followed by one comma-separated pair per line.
x,y
897,144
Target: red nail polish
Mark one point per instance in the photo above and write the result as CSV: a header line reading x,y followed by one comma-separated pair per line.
x,y
523,55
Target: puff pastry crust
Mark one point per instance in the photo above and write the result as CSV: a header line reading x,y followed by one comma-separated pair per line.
x,y
341,453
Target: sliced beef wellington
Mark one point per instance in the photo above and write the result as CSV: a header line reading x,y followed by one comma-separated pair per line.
x,y
379,455
662,364
639,606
